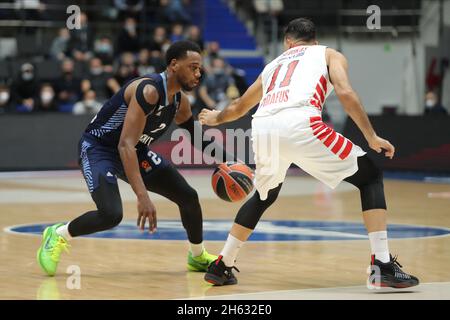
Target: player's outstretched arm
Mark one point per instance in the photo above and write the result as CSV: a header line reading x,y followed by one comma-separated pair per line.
x,y
338,69
236,109
185,120
133,127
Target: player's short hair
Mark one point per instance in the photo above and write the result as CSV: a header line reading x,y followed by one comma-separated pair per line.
x,y
301,29
179,49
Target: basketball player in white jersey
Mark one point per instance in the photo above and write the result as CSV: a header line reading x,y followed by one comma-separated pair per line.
x,y
287,128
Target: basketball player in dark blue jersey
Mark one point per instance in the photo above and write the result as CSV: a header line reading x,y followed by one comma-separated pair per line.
x,y
115,145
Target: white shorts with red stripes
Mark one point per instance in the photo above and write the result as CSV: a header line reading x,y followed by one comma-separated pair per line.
x,y
298,135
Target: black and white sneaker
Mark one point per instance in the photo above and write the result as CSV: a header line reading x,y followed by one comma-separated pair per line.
x,y
389,274
219,274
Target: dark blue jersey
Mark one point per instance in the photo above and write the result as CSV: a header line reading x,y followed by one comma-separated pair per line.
x,y
107,125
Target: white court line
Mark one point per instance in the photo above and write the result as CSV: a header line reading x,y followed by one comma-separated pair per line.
x,y
426,291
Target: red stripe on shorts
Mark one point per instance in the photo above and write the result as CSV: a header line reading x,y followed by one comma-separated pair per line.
x,y
347,149
338,144
324,134
330,139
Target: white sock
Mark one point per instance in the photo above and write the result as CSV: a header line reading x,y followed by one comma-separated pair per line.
x,y
379,245
196,249
231,250
63,231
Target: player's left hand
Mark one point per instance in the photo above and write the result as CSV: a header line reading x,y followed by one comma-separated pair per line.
x,y
379,144
208,117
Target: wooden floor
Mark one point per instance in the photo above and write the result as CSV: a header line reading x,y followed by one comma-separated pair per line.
x,y
139,269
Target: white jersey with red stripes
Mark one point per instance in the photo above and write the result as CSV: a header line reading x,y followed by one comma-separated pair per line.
x,y
288,126
298,78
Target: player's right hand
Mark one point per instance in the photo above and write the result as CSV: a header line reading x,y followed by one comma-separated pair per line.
x,y
146,209
379,144
208,117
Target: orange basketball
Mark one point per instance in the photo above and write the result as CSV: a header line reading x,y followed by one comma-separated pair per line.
x,y
232,181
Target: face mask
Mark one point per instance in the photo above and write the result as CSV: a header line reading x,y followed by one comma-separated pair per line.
x,y
218,71
130,28
104,48
4,96
46,97
96,71
27,76
89,103
430,103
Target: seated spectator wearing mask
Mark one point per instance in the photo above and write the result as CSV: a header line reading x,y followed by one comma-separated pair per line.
x,y
432,106
103,49
60,45
218,87
46,101
89,104
68,87
128,40
80,44
25,88
97,80
5,99
158,40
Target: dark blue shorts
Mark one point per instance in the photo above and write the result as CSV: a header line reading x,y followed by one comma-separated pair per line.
x,y
98,160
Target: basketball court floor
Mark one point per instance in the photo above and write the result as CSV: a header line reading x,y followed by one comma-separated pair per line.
x,y
311,244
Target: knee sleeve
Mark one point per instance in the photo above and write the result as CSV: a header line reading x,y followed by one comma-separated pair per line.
x,y
369,180
191,215
169,183
108,214
250,213
108,201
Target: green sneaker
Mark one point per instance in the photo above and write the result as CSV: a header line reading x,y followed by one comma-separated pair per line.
x,y
201,262
50,250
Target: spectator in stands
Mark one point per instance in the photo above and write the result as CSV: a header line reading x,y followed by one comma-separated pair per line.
x,y
129,60
177,32
157,61
432,105
128,40
46,102
60,45
218,88
68,87
144,66
25,88
89,104
97,80
239,80
196,103
212,52
125,72
104,50
80,44
268,7
194,35
175,11
129,8
158,40
5,99
29,9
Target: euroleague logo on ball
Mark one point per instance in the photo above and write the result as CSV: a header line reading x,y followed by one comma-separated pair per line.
x,y
232,181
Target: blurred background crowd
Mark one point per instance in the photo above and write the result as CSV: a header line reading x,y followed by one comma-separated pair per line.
x,y
75,71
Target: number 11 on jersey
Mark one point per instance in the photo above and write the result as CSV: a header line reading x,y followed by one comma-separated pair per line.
x,y
287,78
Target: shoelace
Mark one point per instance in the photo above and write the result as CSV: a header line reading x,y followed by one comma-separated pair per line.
x,y
397,266
395,262
60,245
233,267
